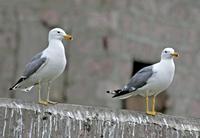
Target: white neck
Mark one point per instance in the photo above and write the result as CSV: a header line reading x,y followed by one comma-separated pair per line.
x,y
54,40
55,43
56,46
167,60
168,63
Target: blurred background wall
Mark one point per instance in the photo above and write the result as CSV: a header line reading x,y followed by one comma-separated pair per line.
x,y
112,40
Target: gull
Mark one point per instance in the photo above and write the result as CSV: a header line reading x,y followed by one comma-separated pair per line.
x,y
150,80
45,66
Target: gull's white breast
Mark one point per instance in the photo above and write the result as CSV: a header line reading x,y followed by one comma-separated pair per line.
x,y
56,62
164,75
161,79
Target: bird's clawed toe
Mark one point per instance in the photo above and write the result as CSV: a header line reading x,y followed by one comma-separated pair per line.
x,y
43,102
153,113
51,102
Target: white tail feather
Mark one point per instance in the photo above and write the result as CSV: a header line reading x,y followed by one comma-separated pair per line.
x,y
26,89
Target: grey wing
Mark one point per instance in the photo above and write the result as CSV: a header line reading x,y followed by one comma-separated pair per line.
x,y
140,78
33,66
137,81
36,63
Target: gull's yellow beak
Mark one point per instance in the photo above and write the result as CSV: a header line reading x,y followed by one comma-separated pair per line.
x,y
68,37
175,54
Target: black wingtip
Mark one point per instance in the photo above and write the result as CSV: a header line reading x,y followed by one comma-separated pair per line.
x,y
115,93
15,85
114,96
119,93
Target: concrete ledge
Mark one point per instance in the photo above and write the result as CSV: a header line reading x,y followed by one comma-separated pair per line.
x,y
22,119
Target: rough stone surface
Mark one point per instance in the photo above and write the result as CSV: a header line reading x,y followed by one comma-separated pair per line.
x,y
25,119
108,35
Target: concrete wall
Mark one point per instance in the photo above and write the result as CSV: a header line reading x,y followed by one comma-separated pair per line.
x,y
108,35
24,119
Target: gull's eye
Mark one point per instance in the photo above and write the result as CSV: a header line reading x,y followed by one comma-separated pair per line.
x,y
58,32
165,51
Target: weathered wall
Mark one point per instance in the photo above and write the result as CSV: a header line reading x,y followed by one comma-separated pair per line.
x,y
23,119
108,35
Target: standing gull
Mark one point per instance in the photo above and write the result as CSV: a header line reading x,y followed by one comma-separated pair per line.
x,y
151,80
45,66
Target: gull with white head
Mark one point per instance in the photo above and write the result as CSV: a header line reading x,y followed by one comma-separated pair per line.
x,y
45,66
151,80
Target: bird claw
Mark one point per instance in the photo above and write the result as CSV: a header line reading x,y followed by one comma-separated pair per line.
x,y
51,102
153,113
43,102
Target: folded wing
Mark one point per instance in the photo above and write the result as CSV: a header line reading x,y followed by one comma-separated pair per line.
x,y
139,80
33,66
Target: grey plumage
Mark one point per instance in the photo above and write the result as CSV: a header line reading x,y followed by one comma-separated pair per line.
x,y
140,78
36,62
137,81
151,80
46,66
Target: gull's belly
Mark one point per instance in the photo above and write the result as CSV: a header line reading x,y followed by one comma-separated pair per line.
x,y
158,87
52,69
157,84
153,89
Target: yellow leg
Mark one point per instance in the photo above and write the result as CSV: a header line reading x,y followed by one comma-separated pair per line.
x,y
153,104
147,104
153,113
48,93
40,101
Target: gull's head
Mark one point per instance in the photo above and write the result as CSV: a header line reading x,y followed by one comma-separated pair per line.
x,y
59,34
168,53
